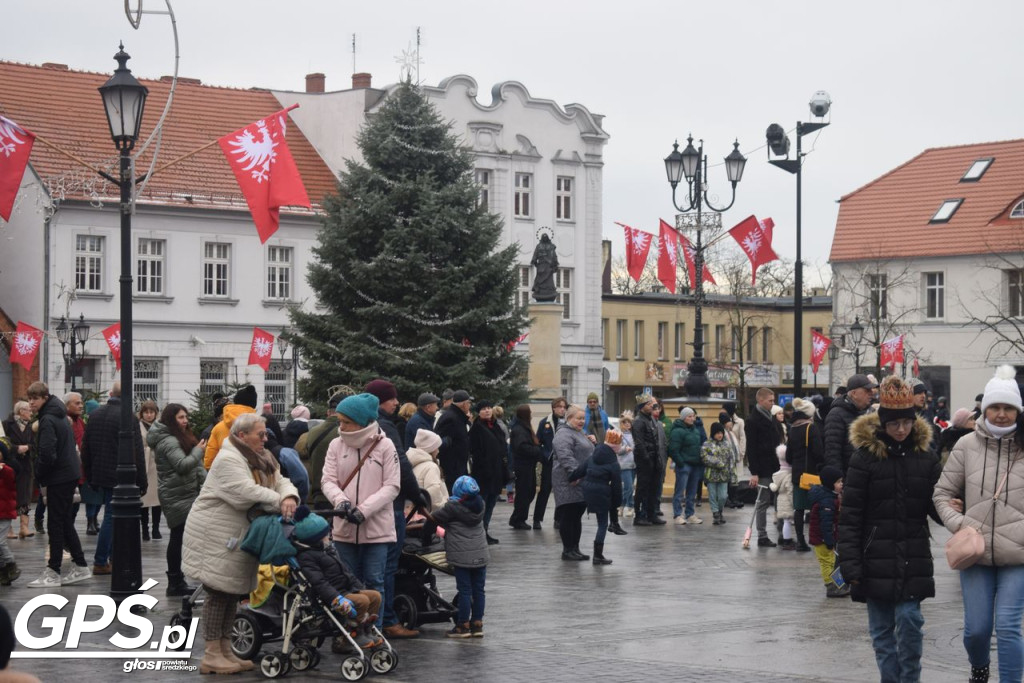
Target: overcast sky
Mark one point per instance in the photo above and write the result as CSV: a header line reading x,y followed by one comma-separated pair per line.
x,y
904,75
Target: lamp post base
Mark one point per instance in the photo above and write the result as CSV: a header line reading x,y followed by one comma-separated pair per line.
x,y
126,507
697,383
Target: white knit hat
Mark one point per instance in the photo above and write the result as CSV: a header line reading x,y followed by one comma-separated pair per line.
x,y
804,407
1002,388
426,440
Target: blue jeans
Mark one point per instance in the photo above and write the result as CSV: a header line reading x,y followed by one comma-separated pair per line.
x,y
897,635
994,596
368,561
628,477
687,481
394,552
718,492
105,539
470,584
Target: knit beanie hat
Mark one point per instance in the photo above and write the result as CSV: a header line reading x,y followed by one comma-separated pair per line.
x,y
309,526
1002,388
829,476
724,417
91,405
613,437
896,401
776,409
246,396
465,487
382,389
806,408
961,416
427,440
686,412
300,413
592,396
361,408
717,428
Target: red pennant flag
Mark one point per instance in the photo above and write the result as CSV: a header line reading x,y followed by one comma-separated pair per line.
x,y
751,238
668,256
638,245
265,170
917,368
15,147
517,341
892,352
113,336
767,226
261,349
25,345
819,346
690,254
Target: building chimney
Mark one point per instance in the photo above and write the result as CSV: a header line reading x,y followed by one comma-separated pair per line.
x,y
315,82
361,80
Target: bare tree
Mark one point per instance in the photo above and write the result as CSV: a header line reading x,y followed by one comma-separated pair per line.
x,y
991,310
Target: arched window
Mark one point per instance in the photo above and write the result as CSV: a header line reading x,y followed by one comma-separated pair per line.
x,y
1018,210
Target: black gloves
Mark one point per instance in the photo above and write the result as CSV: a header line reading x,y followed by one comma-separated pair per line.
x,y
355,516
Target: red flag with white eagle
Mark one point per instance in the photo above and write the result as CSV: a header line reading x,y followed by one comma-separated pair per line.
x,y
113,337
819,346
25,345
767,227
668,256
754,242
15,147
265,170
892,352
638,245
261,349
690,254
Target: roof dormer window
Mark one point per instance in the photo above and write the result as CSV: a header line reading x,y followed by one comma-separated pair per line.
x,y
946,211
1018,210
977,170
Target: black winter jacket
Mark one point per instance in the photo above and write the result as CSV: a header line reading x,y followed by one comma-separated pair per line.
x,y
56,455
764,435
525,453
100,445
419,420
645,441
326,573
489,452
884,541
805,449
546,433
454,453
602,479
292,431
410,488
838,448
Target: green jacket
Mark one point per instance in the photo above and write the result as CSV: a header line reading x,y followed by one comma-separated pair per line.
x,y
684,444
179,475
318,439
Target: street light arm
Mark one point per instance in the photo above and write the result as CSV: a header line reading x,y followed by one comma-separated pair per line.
x,y
724,208
689,197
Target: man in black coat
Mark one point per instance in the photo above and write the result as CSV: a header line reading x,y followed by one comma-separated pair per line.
x,y
58,470
453,428
764,435
99,463
546,434
844,410
646,455
426,408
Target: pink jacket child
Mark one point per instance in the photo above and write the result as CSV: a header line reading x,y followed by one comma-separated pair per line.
x,y
371,491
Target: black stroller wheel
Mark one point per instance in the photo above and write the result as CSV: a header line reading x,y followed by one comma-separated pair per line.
x,y
179,620
406,611
384,661
246,636
354,668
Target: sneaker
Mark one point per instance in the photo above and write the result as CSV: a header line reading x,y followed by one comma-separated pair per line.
x,y
460,631
76,575
48,579
641,521
680,520
659,520
694,519
766,542
476,629
628,512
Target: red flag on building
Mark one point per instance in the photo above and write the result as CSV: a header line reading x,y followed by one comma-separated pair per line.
x,y
25,345
668,256
819,346
113,336
15,147
690,254
265,170
752,240
638,245
892,352
917,368
261,349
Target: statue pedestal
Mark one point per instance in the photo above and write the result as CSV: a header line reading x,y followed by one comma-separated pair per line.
x,y
545,373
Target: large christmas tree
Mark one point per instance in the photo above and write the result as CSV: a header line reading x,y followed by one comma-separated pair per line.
x,y
408,270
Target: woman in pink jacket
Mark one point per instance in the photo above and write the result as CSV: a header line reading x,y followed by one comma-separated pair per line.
x,y
361,476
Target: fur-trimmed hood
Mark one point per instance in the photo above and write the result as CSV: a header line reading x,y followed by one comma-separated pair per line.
x,y
864,434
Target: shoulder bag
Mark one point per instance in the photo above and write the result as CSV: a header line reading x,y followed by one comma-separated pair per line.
x,y
967,545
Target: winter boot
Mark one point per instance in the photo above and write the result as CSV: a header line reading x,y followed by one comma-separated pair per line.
x,y
614,526
801,543
26,528
145,526
717,518
91,527
8,573
599,557
476,629
176,585
40,527
576,550
214,660
225,648
156,523
570,555
979,674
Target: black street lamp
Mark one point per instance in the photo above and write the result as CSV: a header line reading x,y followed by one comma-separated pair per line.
x,y
857,332
693,165
75,335
778,144
124,100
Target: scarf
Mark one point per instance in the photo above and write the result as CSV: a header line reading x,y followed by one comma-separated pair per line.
x,y
262,464
358,439
596,426
999,432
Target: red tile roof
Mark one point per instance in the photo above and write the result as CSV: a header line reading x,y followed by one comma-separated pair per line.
x,y
64,107
890,216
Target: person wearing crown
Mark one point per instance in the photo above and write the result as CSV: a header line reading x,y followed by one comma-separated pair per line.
x,y
884,543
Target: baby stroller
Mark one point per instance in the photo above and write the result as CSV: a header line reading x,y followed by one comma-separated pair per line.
x,y
417,598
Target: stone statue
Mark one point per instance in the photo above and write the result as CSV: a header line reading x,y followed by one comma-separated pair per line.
x,y
545,260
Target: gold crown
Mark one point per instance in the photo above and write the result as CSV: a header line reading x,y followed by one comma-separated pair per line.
x,y
644,398
894,394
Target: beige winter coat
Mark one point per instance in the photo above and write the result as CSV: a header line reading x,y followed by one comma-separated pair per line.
x,y
428,475
152,497
218,520
972,473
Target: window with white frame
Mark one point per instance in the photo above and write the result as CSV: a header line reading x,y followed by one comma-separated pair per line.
x,y
89,263
147,380
216,269
934,295
620,339
1015,293
279,273
213,376
680,341
523,198
568,375
275,386
638,339
563,289
563,198
483,184
149,266
877,291
523,294
662,340
1018,210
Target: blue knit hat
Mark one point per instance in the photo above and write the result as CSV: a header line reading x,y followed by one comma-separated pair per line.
x,y
361,408
465,487
309,526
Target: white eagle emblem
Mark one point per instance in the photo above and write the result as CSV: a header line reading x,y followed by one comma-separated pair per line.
x,y
819,346
640,240
114,341
256,154
670,250
9,140
752,243
25,342
262,346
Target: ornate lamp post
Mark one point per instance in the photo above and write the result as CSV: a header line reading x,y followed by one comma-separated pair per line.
x,y
124,100
693,165
857,332
75,335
